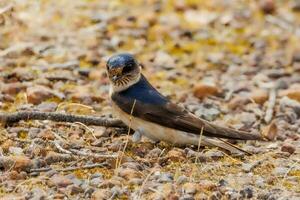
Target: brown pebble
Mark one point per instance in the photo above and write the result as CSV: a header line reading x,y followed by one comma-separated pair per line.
x,y
267,6
288,148
101,194
59,181
203,90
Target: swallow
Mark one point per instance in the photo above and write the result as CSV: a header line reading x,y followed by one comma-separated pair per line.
x,y
145,110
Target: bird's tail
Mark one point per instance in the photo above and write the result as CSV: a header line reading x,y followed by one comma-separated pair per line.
x,y
217,142
223,132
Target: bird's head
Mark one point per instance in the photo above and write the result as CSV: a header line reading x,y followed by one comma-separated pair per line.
x,y
123,71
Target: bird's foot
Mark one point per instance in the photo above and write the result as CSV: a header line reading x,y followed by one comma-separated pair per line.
x,y
137,136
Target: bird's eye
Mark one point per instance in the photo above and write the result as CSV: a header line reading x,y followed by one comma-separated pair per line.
x,y
127,68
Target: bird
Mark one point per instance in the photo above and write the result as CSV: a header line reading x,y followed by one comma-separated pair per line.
x,y
149,113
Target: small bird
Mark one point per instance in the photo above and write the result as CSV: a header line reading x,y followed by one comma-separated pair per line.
x,y
142,108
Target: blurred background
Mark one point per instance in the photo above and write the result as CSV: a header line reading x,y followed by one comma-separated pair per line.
x,y
236,62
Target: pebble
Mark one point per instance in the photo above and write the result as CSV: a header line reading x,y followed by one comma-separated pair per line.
x,y
60,181
33,132
96,181
259,96
17,151
247,192
215,195
101,194
208,111
182,179
37,94
136,181
128,173
288,148
267,6
165,177
18,163
187,197
280,171
189,188
74,189
270,131
116,191
214,154
175,155
36,194
154,153
295,4
204,90
47,107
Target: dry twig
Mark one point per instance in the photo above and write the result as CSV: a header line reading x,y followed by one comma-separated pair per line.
x,y
90,166
271,105
8,118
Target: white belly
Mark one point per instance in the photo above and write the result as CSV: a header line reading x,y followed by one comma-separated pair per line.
x,y
154,131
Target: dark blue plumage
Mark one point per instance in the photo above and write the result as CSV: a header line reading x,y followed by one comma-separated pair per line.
x,y
144,92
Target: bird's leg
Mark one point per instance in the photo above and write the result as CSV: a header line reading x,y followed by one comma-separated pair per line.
x,y
137,136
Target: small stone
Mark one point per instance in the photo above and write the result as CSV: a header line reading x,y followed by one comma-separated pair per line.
x,y
101,194
259,96
204,90
37,194
74,189
208,111
214,154
154,153
280,171
175,155
189,188
18,163
47,107
17,151
182,179
292,93
37,94
96,181
295,4
165,177
60,181
33,132
136,181
270,131
97,175
247,193
46,134
116,191
260,182
13,88
6,145
128,173
207,185
216,195
187,197
288,148
267,6
238,102
164,60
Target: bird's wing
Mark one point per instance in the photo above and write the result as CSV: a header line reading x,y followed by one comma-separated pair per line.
x,y
172,116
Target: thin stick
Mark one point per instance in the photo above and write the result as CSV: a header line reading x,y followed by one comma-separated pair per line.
x,y
118,162
271,105
59,117
90,166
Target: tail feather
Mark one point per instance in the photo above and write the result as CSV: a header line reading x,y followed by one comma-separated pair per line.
x,y
223,145
229,133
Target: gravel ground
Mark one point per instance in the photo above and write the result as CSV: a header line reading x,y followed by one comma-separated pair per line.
x,y
236,63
